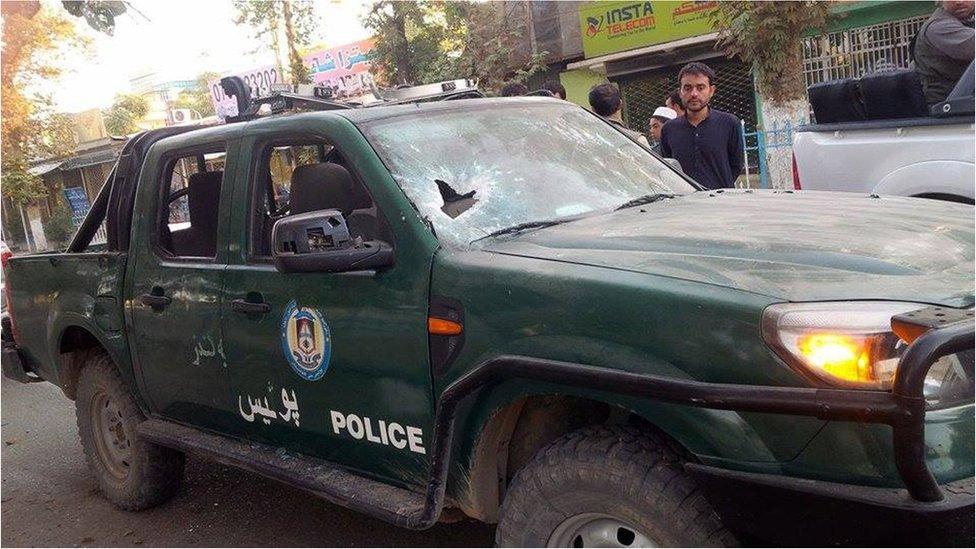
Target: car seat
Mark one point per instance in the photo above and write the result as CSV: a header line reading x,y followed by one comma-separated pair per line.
x,y
330,186
203,201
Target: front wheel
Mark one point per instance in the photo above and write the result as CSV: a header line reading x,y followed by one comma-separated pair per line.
x,y
607,487
132,473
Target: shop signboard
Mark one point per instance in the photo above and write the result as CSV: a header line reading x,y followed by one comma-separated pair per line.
x,y
77,200
345,69
610,27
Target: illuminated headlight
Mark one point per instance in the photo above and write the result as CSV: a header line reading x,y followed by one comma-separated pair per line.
x,y
847,344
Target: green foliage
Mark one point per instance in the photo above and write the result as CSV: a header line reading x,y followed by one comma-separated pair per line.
x,y
431,40
126,111
197,97
59,228
292,21
407,41
492,52
20,186
767,34
44,134
34,40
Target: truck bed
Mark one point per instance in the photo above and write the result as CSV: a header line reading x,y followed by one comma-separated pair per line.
x,y
930,157
886,124
51,291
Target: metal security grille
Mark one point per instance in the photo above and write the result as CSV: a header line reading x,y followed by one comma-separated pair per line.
x,y
643,92
855,52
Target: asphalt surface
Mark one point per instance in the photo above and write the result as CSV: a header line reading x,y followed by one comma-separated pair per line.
x,y
49,498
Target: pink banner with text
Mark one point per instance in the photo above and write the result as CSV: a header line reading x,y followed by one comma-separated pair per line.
x,y
345,68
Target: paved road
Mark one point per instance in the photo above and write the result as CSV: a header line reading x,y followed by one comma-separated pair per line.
x,y
50,499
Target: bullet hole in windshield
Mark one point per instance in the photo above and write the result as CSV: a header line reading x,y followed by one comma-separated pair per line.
x,y
455,203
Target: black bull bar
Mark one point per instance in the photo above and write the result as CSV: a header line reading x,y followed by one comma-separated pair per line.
x,y
935,335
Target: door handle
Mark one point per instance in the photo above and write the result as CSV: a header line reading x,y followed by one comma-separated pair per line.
x,y
156,302
250,307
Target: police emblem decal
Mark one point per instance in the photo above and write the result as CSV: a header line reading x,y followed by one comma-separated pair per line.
x,y
306,341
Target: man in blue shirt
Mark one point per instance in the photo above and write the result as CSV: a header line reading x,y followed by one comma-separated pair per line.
x,y
706,142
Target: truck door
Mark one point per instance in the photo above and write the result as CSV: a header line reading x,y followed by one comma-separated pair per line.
x,y
176,269
328,364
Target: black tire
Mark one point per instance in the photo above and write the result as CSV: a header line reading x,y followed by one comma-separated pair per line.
x,y
146,474
620,472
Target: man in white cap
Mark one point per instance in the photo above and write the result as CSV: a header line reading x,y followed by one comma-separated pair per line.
x,y
657,121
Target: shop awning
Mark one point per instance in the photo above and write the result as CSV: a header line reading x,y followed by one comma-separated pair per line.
x,y
90,159
44,167
599,64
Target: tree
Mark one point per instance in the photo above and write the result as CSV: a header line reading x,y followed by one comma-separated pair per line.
x,y
493,46
291,22
431,40
34,40
197,97
293,17
59,227
123,117
767,35
398,54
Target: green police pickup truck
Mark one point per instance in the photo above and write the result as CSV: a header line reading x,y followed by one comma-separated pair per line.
x,y
507,309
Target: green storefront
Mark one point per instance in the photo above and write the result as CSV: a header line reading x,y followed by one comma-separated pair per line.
x,y
641,46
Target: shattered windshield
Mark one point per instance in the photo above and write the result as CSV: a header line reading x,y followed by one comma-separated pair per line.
x,y
474,172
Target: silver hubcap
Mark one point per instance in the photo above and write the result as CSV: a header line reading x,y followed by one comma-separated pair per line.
x,y
598,530
111,440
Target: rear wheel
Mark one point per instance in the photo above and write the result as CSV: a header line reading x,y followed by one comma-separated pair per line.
x,y
132,473
607,487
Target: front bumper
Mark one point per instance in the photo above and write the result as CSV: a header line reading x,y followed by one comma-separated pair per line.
x,y
797,511
802,512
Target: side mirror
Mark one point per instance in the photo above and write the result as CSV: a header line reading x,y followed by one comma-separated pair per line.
x,y
319,241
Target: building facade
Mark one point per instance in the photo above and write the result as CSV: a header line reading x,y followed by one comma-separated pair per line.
x,y
641,46
71,183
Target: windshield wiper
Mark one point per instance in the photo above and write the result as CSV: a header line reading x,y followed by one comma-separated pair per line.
x,y
526,225
646,199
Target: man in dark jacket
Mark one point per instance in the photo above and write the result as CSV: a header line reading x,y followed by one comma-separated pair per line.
x,y
706,142
605,100
944,48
